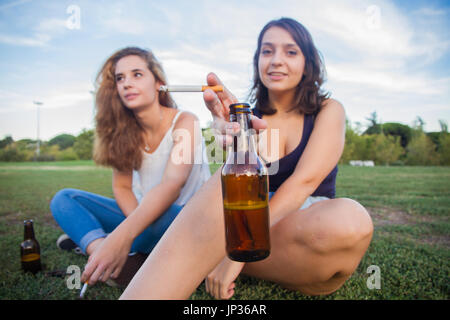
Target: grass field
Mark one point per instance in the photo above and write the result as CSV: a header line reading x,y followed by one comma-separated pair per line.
x,y
410,207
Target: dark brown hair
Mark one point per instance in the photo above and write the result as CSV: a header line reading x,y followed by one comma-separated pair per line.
x,y
308,95
118,139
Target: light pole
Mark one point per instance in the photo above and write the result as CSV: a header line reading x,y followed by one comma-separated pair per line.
x,y
38,151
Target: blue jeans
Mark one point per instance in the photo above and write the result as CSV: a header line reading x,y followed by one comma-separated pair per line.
x,y
86,216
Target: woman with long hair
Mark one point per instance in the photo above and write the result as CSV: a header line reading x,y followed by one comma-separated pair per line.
x,y
158,162
317,240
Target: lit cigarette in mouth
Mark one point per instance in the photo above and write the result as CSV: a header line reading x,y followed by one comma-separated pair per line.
x,y
190,88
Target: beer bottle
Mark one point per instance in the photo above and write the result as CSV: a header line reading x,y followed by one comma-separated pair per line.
x,y
245,191
30,252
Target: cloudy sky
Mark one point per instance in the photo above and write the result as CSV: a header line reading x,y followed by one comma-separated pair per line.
x,y
392,57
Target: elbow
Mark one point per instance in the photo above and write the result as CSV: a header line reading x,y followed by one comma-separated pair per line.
x,y
175,189
118,191
305,186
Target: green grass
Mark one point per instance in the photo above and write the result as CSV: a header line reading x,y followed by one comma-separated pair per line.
x,y
409,206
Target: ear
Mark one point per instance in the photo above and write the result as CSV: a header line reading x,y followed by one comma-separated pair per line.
x,y
158,84
305,70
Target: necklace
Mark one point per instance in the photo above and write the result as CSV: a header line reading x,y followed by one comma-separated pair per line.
x,y
146,146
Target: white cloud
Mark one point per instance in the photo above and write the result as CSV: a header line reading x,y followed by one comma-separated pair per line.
x,y
432,12
386,80
52,26
58,96
13,4
42,34
38,40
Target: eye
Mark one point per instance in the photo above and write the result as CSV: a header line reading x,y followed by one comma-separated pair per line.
x,y
119,78
138,74
266,52
292,52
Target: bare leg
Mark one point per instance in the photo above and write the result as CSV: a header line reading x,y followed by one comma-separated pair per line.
x,y
317,249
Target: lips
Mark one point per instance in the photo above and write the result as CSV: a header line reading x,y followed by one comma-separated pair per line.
x,y
131,96
277,75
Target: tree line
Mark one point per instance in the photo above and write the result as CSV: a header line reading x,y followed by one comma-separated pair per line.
x,y
60,148
389,143
394,143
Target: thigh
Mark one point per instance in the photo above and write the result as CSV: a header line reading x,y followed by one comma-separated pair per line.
x,y
316,249
148,239
105,210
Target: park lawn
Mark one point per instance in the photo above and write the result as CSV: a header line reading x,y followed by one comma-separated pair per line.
x,y
409,207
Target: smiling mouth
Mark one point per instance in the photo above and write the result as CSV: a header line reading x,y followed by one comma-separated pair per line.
x,y
277,75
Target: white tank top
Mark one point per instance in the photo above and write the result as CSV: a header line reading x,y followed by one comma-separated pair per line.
x,y
153,165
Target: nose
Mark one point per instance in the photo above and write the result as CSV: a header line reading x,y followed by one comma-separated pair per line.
x,y
277,58
127,83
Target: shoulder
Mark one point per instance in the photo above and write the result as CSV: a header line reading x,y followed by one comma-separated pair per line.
x,y
187,116
331,109
186,119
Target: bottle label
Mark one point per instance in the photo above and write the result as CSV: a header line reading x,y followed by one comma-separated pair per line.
x,y
30,257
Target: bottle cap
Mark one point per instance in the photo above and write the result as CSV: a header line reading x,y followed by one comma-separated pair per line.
x,y
239,107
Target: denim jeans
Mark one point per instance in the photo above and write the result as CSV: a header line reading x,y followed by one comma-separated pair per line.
x,y
86,216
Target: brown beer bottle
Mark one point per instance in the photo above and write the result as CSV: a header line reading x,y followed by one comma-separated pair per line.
x,y
245,190
30,252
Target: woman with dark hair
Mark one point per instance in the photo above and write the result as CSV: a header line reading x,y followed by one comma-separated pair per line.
x,y
154,151
308,96
317,240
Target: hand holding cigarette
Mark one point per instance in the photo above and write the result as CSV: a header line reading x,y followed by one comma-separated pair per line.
x,y
218,104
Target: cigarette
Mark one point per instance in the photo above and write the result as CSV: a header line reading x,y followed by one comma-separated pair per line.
x,y
83,290
190,88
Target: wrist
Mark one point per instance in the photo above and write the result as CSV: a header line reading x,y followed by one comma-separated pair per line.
x,y
229,261
125,231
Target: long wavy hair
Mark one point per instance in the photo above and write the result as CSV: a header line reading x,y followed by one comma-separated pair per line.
x,y
309,96
118,139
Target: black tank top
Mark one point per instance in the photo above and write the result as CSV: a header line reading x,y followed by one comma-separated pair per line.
x,y
286,165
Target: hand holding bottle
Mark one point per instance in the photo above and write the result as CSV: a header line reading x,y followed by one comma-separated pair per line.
x,y
218,104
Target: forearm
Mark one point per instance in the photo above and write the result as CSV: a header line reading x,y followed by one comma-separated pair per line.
x,y
126,200
154,203
288,198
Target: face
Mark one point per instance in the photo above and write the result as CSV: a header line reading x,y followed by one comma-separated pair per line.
x,y
135,83
281,63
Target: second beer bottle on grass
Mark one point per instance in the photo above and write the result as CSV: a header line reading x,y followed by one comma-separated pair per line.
x,y
30,252
245,190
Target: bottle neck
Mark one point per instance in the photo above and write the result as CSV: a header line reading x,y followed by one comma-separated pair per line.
x,y
28,231
243,141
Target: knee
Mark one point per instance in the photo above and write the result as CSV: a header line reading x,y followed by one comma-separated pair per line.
x,y
358,224
59,200
348,227
364,223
